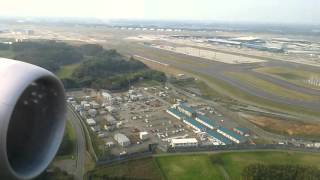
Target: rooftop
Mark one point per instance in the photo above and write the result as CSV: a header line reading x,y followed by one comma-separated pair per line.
x,y
231,133
121,137
219,137
187,108
186,140
246,38
201,127
207,120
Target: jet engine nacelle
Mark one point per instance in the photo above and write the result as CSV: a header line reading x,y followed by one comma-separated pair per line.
x,y
32,119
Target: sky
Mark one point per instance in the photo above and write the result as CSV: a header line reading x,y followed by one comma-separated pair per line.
x,y
263,11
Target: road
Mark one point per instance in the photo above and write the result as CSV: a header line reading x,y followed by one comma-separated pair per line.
x,y
80,145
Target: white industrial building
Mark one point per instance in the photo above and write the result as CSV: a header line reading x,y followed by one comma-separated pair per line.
x,y
110,109
109,144
122,139
91,122
87,98
188,142
94,105
144,135
107,97
86,107
83,103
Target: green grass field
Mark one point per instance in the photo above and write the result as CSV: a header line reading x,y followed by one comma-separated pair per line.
x,y
145,168
69,143
234,163
204,166
269,87
188,167
295,76
66,71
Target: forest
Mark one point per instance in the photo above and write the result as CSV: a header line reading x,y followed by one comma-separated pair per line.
x,y
96,67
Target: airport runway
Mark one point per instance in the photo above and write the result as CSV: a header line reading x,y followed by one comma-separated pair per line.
x,y
217,69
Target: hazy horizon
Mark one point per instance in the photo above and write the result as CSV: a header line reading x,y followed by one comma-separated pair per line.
x,y
230,11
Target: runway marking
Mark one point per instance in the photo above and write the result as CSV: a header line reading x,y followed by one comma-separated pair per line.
x,y
147,59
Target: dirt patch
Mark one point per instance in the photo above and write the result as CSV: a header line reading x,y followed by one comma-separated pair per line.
x,y
287,127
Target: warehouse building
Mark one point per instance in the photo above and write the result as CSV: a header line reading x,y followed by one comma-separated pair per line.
x,y
188,142
186,110
218,134
213,135
122,139
230,135
206,121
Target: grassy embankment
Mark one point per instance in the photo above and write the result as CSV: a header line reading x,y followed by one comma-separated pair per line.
x,y
295,76
204,166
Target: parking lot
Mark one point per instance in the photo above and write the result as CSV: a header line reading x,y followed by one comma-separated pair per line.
x,y
138,111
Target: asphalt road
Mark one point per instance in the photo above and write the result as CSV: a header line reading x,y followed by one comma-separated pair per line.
x,y
80,145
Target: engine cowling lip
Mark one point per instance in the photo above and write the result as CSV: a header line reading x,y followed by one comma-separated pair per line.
x,y
33,73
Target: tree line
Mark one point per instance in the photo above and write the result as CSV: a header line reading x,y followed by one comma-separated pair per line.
x,y
280,172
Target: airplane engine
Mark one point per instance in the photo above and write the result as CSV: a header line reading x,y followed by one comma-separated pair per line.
x,y
32,119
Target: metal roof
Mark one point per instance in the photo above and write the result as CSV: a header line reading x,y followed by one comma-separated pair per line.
x,y
219,137
187,108
185,140
231,133
207,120
201,127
